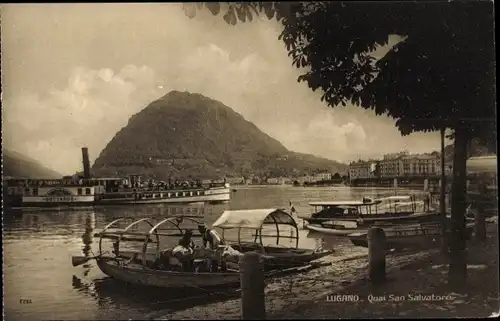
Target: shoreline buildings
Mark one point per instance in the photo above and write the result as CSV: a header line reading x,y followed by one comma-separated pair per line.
x,y
402,166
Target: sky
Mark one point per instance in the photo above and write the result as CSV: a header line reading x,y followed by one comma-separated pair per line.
x,y
73,74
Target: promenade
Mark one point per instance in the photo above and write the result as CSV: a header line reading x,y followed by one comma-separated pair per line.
x,y
295,290
416,288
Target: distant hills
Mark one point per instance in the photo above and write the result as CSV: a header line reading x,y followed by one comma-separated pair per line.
x,y
21,166
183,135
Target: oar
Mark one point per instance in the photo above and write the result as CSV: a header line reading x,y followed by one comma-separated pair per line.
x,y
79,260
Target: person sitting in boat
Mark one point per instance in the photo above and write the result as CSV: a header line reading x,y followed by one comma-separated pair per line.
x,y
186,240
213,240
367,200
210,237
184,251
163,261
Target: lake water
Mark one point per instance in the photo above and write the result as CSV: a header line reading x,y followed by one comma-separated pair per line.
x,y
41,284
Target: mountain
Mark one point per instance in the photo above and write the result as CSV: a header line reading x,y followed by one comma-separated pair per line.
x,y
21,166
185,135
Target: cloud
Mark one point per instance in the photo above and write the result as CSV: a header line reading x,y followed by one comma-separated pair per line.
x,y
130,55
93,106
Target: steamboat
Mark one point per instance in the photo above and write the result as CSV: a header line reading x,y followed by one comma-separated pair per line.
x,y
84,192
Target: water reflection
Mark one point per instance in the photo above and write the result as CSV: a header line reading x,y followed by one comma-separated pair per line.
x,y
38,247
87,239
145,302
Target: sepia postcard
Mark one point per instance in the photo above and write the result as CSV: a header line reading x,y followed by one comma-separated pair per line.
x,y
249,160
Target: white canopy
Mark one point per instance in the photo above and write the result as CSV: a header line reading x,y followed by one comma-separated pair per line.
x,y
253,219
482,164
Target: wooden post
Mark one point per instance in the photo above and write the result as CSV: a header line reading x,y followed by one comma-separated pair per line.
x,y
253,306
376,254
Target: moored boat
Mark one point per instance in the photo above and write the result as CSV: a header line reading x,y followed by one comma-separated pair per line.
x,y
342,218
343,229
82,193
408,236
163,268
214,193
399,209
257,221
54,193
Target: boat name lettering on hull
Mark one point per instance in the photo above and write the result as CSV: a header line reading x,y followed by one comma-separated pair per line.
x,y
59,199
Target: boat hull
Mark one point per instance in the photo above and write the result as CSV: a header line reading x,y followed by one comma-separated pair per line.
x,y
215,195
138,275
332,231
407,237
398,218
212,196
282,258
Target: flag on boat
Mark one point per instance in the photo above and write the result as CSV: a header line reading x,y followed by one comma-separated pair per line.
x,y
292,209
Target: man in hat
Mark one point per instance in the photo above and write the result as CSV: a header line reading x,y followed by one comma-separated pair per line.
x,y
213,239
210,237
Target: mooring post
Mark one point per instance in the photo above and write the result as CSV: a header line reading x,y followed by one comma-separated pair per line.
x,y
376,254
253,306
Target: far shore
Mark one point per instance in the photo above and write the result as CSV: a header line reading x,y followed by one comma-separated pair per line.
x,y
244,186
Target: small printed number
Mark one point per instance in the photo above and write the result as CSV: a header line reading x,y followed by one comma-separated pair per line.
x,y
25,301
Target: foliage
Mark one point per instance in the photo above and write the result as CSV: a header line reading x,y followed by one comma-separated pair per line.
x,y
440,74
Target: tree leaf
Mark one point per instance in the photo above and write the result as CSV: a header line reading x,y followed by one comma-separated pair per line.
x,y
214,7
230,17
189,10
241,14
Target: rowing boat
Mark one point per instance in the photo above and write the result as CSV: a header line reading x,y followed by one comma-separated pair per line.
x,y
161,268
257,221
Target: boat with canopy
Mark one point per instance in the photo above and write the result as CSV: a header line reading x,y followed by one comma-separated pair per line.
x,y
397,208
164,268
267,228
346,217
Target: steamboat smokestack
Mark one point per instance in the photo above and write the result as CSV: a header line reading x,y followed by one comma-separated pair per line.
x,y
86,162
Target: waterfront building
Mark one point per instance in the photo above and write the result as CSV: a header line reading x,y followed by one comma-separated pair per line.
x,y
362,170
306,179
398,165
390,167
426,165
324,176
278,180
